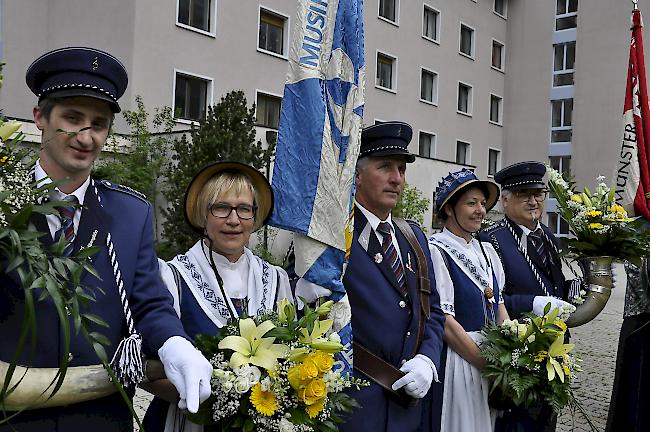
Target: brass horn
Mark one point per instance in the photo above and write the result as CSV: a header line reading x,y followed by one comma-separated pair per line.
x,y
599,281
81,384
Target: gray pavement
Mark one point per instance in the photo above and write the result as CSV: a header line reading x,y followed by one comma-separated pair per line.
x,y
596,342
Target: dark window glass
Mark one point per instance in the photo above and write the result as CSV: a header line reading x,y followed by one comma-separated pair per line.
x,y
384,71
387,9
271,37
430,23
195,13
190,98
268,110
497,55
466,35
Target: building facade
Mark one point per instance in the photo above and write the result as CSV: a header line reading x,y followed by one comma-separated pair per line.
x,y
484,83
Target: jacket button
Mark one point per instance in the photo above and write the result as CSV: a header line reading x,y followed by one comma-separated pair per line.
x,y
70,357
408,333
402,304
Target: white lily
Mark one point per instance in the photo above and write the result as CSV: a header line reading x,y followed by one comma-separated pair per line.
x,y
252,347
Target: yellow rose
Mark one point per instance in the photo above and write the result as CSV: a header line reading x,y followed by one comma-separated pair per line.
x,y
300,375
595,226
315,390
315,408
322,360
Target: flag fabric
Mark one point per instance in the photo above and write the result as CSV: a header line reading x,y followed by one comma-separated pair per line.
x,y
633,167
318,145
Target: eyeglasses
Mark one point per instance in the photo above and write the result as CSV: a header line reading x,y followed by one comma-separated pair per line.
x,y
538,195
243,211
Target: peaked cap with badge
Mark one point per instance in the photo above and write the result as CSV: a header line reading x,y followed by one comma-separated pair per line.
x,y
387,139
78,71
522,175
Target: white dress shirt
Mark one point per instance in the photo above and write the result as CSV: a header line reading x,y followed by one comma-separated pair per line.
x,y
374,222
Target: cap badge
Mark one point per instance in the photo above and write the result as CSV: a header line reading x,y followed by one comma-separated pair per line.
x,y
95,63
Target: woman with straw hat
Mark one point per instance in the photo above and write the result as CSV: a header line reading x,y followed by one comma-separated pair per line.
x,y
469,278
219,277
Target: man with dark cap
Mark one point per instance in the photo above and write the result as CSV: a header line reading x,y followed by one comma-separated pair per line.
x,y
78,91
397,322
530,257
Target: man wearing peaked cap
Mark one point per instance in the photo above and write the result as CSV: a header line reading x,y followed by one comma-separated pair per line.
x,y
78,91
396,317
530,256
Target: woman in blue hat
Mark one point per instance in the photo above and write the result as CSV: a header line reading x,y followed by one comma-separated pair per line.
x,y
469,278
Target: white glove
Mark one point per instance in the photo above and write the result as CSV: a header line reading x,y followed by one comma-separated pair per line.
x,y
419,374
310,292
540,302
187,370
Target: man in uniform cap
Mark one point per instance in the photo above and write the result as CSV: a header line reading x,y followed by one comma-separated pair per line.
x,y
530,257
78,91
397,342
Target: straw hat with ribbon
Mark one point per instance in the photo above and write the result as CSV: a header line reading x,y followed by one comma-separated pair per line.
x,y
263,196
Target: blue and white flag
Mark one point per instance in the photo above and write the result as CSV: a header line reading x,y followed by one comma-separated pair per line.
x,y
318,145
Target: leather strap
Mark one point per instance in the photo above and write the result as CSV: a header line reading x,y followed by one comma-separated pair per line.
x,y
381,372
423,278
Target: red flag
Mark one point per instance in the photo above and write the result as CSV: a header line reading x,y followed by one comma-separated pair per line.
x,y
633,170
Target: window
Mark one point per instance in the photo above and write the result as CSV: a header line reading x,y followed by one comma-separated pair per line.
x,y
500,7
561,164
388,9
561,126
267,110
427,145
558,225
430,23
464,98
190,97
271,35
462,152
429,86
195,13
497,55
466,40
494,161
496,108
385,68
566,14
563,63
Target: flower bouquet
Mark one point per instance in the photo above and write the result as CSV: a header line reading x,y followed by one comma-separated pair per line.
x,y
600,226
275,373
528,363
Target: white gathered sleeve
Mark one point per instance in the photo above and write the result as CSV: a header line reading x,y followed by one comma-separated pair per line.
x,y
444,283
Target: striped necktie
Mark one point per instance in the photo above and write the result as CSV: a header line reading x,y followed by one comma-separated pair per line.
x,y
66,215
390,253
537,240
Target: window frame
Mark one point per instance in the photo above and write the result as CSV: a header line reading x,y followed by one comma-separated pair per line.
x,y
388,20
565,14
499,122
209,97
468,152
433,143
212,17
564,70
498,162
470,99
556,227
503,15
562,127
285,32
426,6
472,55
503,55
434,96
392,89
270,94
